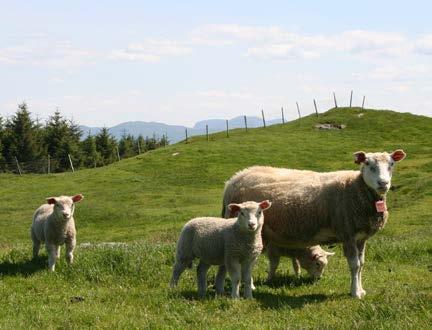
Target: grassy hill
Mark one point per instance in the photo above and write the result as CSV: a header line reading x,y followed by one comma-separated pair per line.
x,y
144,201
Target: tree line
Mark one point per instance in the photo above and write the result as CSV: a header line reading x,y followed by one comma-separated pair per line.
x,y
48,147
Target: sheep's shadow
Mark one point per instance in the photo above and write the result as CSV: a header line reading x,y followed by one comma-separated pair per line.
x,y
274,301
285,281
25,267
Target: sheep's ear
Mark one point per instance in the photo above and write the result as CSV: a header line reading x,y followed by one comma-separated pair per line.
x,y
398,155
328,254
314,257
51,200
234,209
77,198
264,205
359,157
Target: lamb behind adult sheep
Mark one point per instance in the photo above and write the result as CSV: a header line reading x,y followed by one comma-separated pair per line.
x,y
54,224
312,208
235,243
313,259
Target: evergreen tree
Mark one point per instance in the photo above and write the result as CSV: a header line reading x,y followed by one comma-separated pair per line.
x,y
90,156
106,146
20,136
127,146
1,139
62,138
140,145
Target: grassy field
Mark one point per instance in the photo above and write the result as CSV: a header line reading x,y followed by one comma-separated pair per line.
x,y
144,201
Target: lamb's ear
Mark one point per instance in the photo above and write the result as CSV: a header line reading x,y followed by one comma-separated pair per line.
x,y
328,254
77,198
359,157
51,200
264,205
234,209
398,155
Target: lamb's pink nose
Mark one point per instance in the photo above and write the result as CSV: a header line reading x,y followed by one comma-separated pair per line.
x,y
252,226
66,215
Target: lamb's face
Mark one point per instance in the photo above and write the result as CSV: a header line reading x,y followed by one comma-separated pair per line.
x,y
377,168
315,263
64,206
250,214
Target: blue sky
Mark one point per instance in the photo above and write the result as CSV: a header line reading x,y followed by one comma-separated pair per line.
x,y
106,62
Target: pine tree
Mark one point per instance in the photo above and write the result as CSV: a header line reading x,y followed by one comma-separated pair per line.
x,y
126,146
90,156
1,139
106,146
140,145
20,137
62,138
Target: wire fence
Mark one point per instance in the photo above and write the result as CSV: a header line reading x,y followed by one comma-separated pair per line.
x,y
48,165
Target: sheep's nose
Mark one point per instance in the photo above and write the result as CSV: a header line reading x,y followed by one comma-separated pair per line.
x,y
66,215
383,183
252,226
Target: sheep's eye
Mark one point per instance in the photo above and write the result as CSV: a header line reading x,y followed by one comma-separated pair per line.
x,y
373,169
318,264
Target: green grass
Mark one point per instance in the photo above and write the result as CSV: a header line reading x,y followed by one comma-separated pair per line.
x,y
144,201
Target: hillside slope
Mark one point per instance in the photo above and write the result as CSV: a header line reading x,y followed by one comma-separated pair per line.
x,y
148,198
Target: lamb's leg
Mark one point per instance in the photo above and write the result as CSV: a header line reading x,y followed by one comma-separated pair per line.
x,y
70,246
220,280
202,278
36,244
361,246
274,260
246,271
296,266
351,253
53,253
178,269
234,270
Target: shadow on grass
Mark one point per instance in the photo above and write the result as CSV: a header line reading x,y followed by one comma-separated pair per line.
x,y
274,301
289,281
25,268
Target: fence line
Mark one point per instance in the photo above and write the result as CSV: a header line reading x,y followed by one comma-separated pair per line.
x,y
49,165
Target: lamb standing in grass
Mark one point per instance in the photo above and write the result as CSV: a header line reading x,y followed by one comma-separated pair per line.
x,y
312,208
235,243
54,224
313,259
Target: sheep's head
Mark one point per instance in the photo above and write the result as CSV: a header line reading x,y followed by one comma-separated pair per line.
x,y
250,214
315,262
377,168
64,206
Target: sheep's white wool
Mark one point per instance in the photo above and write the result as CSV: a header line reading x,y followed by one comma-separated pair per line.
x,y
54,224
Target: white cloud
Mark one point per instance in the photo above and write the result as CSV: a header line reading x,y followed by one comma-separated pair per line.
x,y
424,45
39,51
151,50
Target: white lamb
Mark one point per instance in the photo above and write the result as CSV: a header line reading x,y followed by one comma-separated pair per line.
x,y
235,243
54,224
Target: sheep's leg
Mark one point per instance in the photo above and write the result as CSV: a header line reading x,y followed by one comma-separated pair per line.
x,y
234,270
296,266
202,278
36,244
274,260
361,246
53,253
70,246
246,271
352,255
220,280
178,269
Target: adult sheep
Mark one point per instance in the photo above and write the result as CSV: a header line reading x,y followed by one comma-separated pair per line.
x,y
311,208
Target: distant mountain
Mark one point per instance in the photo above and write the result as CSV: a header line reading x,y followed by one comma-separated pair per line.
x,y
176,133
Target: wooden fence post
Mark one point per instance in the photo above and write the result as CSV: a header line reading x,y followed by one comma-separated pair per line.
x,y
118,154
227,129
70,162
316,109
207,133
186,134
351,99
139,147
298,110
18,167
283,117
334,98
49,165
364,97
245,121
263,118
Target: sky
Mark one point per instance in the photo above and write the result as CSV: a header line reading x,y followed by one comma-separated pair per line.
x,y
102,63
